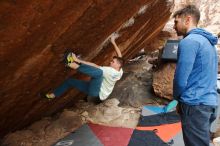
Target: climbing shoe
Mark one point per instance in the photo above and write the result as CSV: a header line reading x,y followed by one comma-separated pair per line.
x,y
47,96
68,59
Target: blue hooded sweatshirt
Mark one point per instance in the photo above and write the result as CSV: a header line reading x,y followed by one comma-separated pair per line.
x,y
196,71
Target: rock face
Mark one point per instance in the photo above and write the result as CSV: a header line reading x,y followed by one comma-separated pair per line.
x,y
109,113
34,36
163,80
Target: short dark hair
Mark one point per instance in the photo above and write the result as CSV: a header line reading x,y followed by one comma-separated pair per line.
x,y
120,60
189,10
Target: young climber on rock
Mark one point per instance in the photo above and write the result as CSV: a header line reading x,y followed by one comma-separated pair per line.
x,y
103,78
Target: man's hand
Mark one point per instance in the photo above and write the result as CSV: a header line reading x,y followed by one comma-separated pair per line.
x,y
75,58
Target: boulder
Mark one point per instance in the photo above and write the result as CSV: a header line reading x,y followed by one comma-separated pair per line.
x,y
163,80
35,35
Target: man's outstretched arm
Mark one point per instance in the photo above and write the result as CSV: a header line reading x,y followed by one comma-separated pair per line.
x,y
89,63
83,62
116,47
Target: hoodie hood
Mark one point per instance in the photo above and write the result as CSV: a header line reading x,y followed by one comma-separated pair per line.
x,y
212,39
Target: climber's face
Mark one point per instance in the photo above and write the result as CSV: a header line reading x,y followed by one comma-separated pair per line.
x,y
115,64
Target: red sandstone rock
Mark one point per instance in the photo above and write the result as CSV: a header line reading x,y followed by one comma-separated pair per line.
x,y
35,34
163,80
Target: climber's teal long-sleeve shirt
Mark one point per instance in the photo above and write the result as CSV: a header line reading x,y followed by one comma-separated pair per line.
x,y
196,71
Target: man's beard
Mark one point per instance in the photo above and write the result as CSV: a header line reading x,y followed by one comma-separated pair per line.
x,y
179,33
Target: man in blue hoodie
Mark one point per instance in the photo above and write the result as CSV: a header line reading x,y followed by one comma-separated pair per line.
x,y
194,84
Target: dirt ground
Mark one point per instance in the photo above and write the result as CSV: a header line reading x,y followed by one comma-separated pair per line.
x,y
49,130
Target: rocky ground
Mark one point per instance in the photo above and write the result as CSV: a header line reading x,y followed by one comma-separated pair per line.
x,y
49,130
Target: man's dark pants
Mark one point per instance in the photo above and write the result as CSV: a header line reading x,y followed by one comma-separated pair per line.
x,y
196,121
91,88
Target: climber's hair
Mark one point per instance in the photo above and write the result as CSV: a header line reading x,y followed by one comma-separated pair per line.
x,y
191,10
120,60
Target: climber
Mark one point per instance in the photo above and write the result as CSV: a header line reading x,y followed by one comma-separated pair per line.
x,y
103,78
